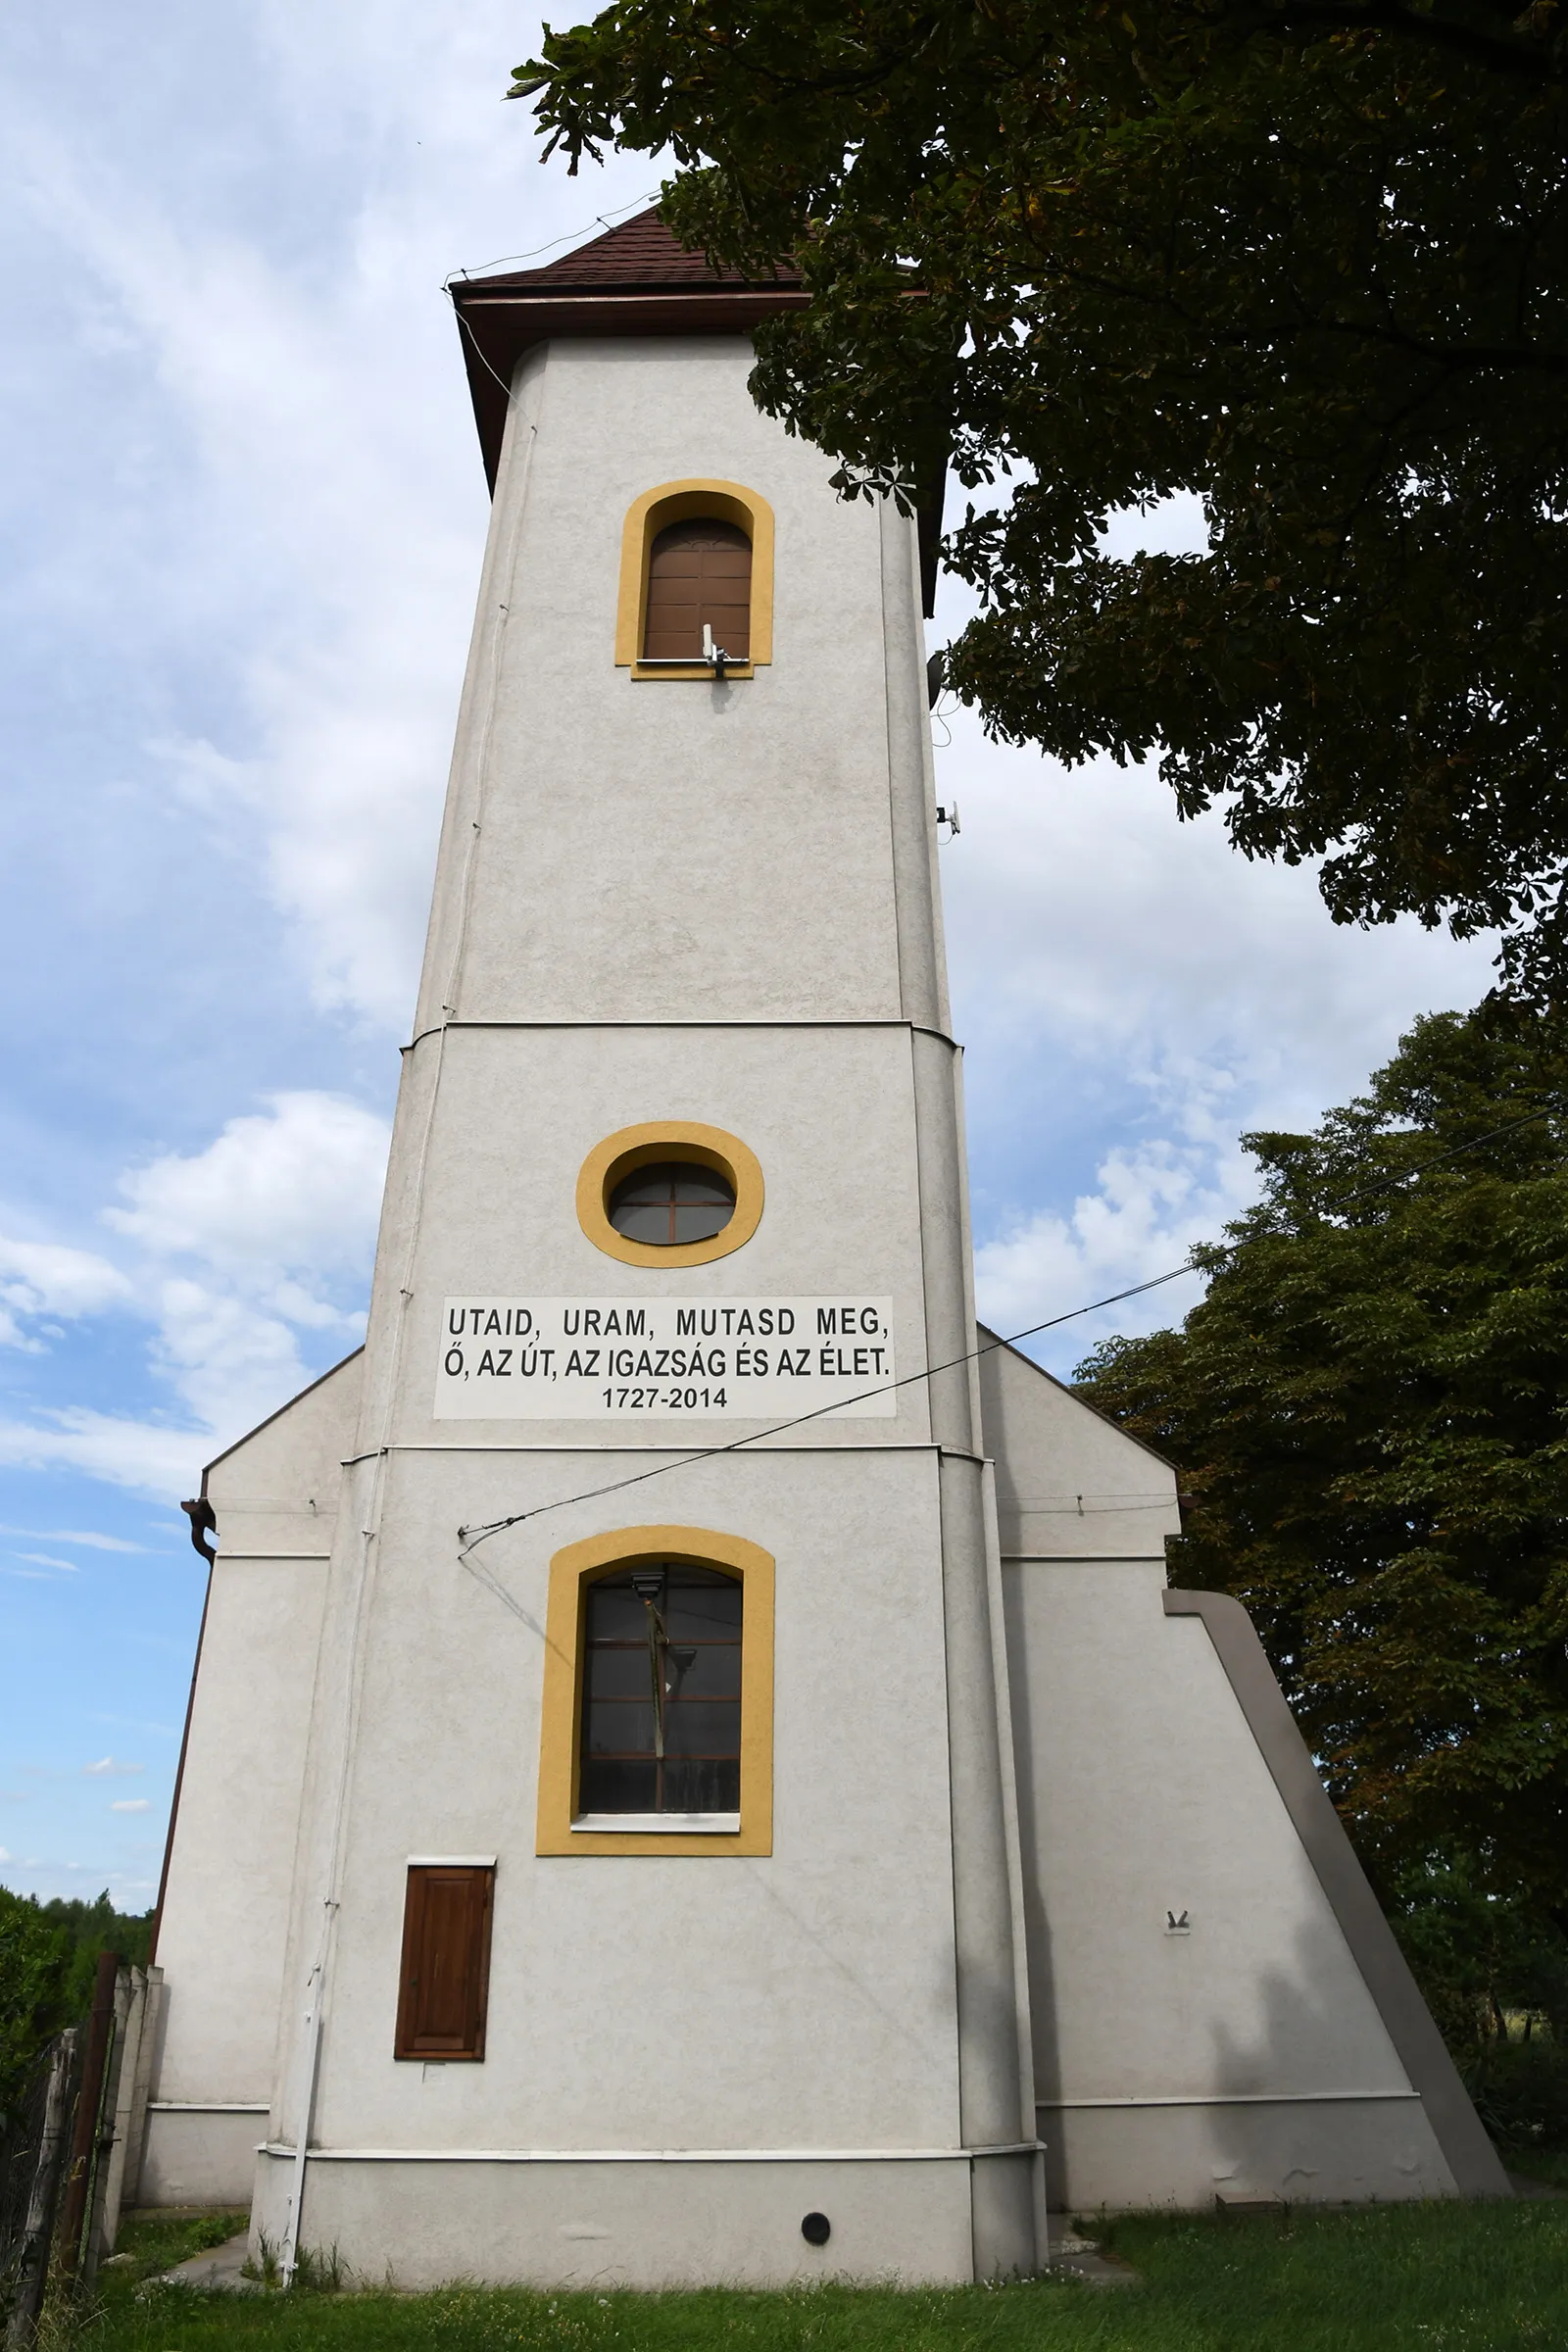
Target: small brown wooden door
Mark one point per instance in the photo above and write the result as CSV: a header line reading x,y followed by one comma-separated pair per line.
x,y
699,571
446,1960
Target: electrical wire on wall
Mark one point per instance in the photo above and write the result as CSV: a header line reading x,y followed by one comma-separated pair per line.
x,y
469,1537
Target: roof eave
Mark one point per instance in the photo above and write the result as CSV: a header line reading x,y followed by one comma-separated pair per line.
x,y
499,324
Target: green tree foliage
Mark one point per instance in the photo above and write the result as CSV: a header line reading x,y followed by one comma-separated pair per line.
x,y
48,1960
94,1928
34,1989
1369,1410
1484,1957
1302,257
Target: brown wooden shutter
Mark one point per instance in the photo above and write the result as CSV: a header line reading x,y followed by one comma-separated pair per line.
x,y
446,1960
699,571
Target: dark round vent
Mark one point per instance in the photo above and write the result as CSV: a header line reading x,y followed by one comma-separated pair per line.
x,y
816,2228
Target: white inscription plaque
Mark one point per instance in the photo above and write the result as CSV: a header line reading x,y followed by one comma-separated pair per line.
x,y
646,1359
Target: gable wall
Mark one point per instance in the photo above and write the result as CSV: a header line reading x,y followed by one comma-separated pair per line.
x,y
1248,2052
223,1924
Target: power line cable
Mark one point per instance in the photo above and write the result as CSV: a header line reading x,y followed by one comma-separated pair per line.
x,y
600,220
469,1537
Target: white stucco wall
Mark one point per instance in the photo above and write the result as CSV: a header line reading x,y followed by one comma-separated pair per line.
x,y
1069,1483
690,850
831,1113
655,2225
1245,2055
1142,1793
224,1926
800,1999
715,903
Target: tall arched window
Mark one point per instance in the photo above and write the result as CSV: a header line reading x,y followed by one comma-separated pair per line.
x,y
656,1724
698,592
696,556
662,1693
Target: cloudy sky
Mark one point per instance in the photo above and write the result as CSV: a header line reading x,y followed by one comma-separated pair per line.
x,y
244,519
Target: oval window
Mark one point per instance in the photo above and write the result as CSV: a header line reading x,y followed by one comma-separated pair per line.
x,y
669,1193
671,1202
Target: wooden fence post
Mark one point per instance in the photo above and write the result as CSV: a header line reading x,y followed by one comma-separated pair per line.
x,y
132,2013
89,2099
99,2239
39,2229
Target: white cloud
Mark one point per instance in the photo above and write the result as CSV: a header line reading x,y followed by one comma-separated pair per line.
x,y
281,1208
44,1560
1140,1224
74,1535
1173,527
143,1456
231,1359
1117,971
1080,910
112,1764
241,1247
332,500
5,1854
132,1804
286,1189
42,1278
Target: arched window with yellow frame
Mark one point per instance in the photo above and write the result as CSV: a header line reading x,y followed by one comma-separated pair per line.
x,y
696,582
657,1715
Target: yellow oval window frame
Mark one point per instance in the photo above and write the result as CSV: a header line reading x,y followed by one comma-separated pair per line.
x,y
680,501
621,1154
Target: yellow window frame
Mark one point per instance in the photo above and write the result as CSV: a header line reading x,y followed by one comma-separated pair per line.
x,y
621,1154
571,1572
680,501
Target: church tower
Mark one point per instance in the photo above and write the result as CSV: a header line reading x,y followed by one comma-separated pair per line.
x,y
683,1807
668,1832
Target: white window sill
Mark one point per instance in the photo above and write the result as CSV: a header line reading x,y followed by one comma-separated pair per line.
x,y
661,1825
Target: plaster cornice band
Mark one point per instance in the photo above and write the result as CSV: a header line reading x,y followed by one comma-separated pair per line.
x,y
285,2148
208,2107
1227,2098
697,1021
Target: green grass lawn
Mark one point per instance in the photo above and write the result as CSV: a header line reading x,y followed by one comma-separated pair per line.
x,y
1391,2278
156,2241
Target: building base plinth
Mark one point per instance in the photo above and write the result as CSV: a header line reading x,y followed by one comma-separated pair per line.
x,y
1317,2151
200,2155
423,2219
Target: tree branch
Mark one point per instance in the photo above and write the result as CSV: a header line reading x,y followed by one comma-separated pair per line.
x,y
1503,53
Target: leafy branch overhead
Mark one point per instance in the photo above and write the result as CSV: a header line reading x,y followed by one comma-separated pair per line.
x,y
1303,260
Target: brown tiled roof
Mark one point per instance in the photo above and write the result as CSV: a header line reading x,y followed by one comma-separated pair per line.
x,y
640,253
634,281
